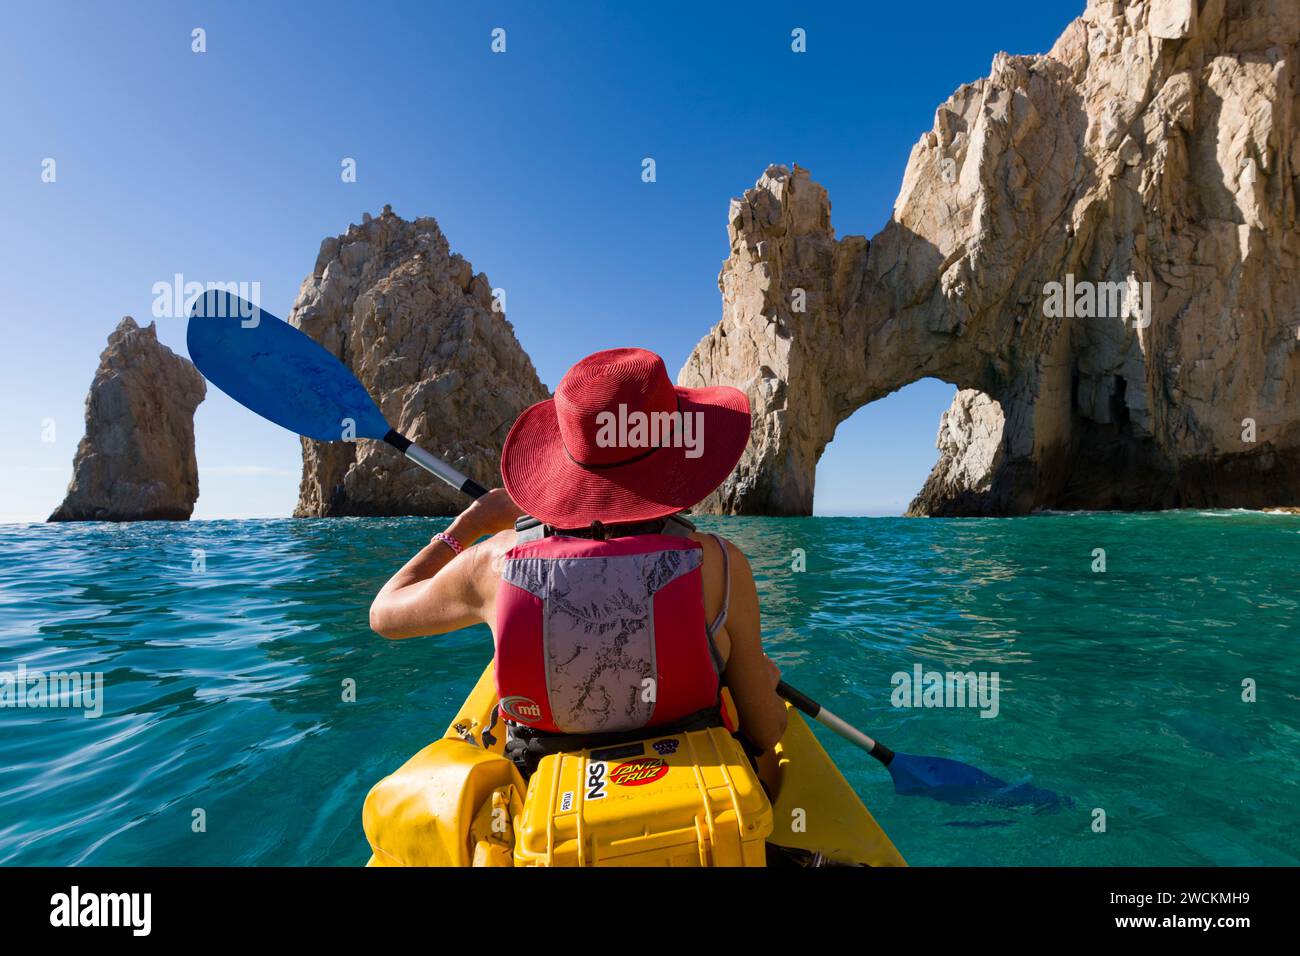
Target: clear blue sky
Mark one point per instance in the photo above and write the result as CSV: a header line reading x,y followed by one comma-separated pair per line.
x,y
225,166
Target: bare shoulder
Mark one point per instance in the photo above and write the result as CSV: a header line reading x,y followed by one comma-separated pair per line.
x,y
485,573
735,557
492,550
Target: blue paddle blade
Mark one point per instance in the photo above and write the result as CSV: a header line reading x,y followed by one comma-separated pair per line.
x,y
278,372
952,781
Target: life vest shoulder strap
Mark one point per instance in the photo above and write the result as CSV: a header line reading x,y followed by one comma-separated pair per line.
x,y
721,619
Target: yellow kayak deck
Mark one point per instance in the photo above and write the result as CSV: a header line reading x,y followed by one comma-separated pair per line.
x,y
815,808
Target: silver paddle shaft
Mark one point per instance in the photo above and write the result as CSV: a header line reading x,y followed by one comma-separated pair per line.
x,y
845,730
436,466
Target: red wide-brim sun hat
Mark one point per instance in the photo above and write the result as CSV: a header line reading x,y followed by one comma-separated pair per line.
x,y
559,466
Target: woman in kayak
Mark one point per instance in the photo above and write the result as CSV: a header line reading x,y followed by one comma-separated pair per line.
x,y
613,618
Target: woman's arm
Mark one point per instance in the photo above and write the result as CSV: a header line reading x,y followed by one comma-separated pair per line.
x,y
750,674
438,590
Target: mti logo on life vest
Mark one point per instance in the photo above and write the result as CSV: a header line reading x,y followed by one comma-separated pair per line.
x,y
636,773
522,710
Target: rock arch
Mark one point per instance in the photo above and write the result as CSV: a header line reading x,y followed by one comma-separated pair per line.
x,y
1153,143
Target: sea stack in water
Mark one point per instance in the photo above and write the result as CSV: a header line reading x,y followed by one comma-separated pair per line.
x,y
1100,241
426,336
136,461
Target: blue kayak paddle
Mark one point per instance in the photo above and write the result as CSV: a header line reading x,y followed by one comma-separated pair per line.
x,y
287,377
950,781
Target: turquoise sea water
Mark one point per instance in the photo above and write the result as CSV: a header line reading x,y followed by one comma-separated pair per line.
x,y
223,686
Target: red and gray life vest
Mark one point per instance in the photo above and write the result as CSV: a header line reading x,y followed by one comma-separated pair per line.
x,y
596,637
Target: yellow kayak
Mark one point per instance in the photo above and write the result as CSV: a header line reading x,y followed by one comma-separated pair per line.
x,y
683,799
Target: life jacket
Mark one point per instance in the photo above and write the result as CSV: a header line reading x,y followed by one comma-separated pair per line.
x,y
605,637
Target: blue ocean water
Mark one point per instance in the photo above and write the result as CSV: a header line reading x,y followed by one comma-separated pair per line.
x,y
224,681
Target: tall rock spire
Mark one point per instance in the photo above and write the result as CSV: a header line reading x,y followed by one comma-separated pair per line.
x,y
136,461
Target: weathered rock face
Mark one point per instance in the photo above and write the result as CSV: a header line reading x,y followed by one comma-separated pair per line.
x,y
417,327
136,461
786,288
970,454
1154,148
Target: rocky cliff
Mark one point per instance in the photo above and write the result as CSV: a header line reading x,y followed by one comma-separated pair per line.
x,y
418,327
1098,246
136,461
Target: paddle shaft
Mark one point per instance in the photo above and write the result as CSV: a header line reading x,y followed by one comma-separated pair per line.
x,y
287,377
434,465
842,727
796,698
802,701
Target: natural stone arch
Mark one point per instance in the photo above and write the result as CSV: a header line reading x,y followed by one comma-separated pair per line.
x,y
1143,146
797,336
886,450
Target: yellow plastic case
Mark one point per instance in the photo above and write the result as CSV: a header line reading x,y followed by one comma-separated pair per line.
x,y
689,799
458,802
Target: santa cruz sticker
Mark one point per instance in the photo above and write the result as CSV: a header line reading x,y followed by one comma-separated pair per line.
x,y
637,773
522,710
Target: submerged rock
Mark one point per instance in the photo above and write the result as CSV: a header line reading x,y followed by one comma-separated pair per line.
x,y
423,333
136,461
1147,165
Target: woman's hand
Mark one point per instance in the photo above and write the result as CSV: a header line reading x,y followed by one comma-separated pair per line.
x,y
436,592
495,511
